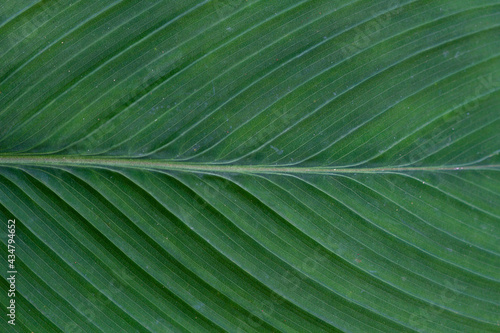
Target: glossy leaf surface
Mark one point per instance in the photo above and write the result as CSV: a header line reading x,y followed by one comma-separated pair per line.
x,y
251,166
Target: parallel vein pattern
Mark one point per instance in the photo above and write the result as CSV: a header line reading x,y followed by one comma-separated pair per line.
x,y
252,166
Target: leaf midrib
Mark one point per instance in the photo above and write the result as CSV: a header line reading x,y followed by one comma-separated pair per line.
x,y
157,164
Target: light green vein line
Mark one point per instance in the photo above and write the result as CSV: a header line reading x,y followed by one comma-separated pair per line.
x,y
62,161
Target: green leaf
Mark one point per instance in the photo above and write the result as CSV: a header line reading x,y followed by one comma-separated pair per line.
x,y
250,166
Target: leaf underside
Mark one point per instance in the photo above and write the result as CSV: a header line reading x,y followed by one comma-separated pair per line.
x,y
251,166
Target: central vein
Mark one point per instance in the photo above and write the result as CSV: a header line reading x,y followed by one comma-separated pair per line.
x,y
41,160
